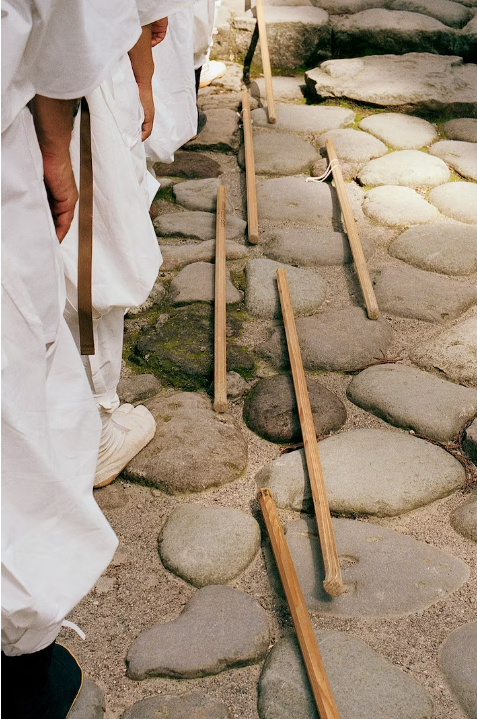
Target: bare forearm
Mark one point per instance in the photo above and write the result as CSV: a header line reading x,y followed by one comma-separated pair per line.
x,y
141,57
54,124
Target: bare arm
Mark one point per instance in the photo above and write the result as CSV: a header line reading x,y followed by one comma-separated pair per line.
x,y
143,68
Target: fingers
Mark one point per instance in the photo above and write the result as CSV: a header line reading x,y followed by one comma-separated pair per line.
x,y
63,224
147,126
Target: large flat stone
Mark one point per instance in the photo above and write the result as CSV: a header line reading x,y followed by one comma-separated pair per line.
x,y
398,206
444,248
388,573
367,471
174,256
307,289
457,200
189,165
193,449
138,388
464,129
410,168
353,145
464,518
90,703
195,283
414,81
271,411
452,352
197,226
197,194
221,132
458,661
291,199
404,132
461,156
285,89
407,292
191,705
278,153
312,248
449,13
412,399
208,545
308,119
187,647
364,684
337,340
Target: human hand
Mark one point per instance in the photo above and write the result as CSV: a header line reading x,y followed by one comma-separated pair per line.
x,y
147,102
159,30
61,190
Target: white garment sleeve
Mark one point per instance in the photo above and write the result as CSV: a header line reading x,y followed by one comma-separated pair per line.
x,y
151,10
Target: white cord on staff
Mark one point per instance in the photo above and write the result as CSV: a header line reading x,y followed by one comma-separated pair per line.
x,y
326,174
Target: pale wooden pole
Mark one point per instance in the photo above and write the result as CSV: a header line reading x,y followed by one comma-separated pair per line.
x,y
220,318
252,211
352,231
267,70
332,583
320,685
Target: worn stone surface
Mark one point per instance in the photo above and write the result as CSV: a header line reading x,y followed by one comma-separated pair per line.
x,y
363,683
414,81
208,545
457,200
197,194
337,340
197,226
189,165
307,289
271,411
285,89
408,292
445,248
191,705
398,206
348,6
412,399
403,132
452,352
195,283
138,388
156,296
312,248
236,386
410,168
470,441
309,119
193,448
368,471
175,256
449,13
458,661
279,153
291,199
187,648
388,573
464,518
461,156
353,145
90,704
221,133
464,129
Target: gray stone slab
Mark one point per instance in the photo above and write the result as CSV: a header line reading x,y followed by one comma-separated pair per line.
x,y
291,199
363,683
458,661
305,118
457,200
449,13
138,388
90,703
464,129
271,411
280,153
197,226
197,194
175,256
464,518
187,648
419,295
403,132
307,289
195,283
412,399
208,545
367,471
470,441
337,340
414,81
452,352
285,89
390,31
397,206
348,6
353,145
410,168
445,248
191,705
312,248
221,132
193,449
190,165
461,156
388,573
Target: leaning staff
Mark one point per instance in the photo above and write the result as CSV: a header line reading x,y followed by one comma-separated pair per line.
x,y
267,70
252,211
220,318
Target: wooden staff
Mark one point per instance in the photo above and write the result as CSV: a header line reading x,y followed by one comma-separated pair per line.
x,y
332,583
220,356
351,230
252,211
267,70
320,685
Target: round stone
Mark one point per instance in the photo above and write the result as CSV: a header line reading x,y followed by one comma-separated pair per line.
x,y
191,705
449,249
461,156
464,519
197,194
449,13
197,226
312,248
353,145
270,409
138,388
458,661
457,200
208,545
404,132
292,199
464,129
89,703
280,154
398,206
308,119
409,168
176,256
196,283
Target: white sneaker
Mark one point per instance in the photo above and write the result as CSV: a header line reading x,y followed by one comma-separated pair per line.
x,y
128,431
211,71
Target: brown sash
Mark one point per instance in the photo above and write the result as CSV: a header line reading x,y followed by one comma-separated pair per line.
x,y
85,234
